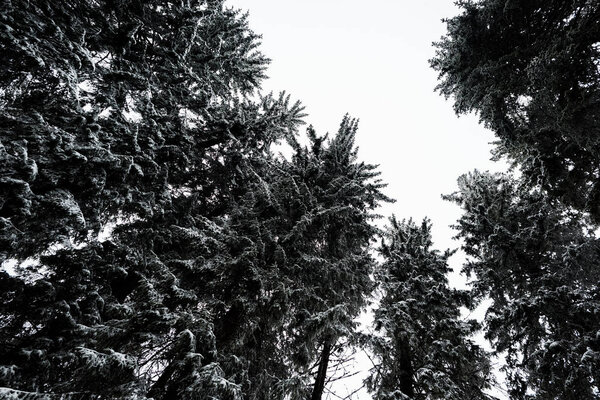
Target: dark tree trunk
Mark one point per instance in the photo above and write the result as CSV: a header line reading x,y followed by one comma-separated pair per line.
x,y
405,371
322,372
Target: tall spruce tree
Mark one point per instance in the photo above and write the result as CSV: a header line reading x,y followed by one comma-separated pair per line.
x,y
128,116
422,347
330,242
530,70
537,261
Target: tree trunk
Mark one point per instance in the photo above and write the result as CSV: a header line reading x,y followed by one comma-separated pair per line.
x,y
322,372
405,371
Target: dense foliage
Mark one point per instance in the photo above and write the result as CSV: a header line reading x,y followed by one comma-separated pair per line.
x,y
154,246
531,71
538,263
130,118
160,249
333,239
423,347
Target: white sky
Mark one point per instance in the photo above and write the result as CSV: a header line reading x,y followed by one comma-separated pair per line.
x,y
370,59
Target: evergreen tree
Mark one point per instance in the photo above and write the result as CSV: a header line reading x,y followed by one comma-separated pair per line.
x,y
169,253
537,261
329,243
294,270
128,116
530,69
101,99
422,347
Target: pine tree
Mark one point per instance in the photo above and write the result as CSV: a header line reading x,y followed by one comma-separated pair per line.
x,y
537,261
168,253
422,346
216,251
329,243
530,70
132,117
98,94
295,270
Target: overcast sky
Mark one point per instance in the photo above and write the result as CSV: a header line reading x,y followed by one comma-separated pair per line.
x,y
370,59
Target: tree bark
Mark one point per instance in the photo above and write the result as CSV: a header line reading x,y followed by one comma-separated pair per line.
x,y
322,372
405,370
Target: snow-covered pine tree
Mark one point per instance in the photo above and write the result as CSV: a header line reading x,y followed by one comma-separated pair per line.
x,y
275,286
250,288
329,242
128,116
131,118
537,261
99,99
213,246
422,347
530,70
